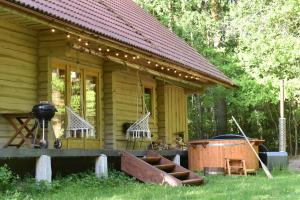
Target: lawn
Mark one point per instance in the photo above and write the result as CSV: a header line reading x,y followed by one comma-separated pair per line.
x,y
285,185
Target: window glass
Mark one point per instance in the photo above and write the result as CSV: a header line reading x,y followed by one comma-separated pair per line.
x,y
91,97
58,99
76,92
148,99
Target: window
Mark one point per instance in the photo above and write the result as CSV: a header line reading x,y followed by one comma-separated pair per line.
x,y
148,99
78,89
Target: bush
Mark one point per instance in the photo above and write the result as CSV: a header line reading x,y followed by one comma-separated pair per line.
x,y
7,178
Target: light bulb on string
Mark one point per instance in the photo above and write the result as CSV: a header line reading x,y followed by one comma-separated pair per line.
x,y
53,30
162,68
79,39
133,57
68,36
117,54
149,62
179,74
99,49
108,50
86,44
168,69
125,55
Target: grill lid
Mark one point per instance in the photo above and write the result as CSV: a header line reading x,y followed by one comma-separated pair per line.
x,y
44,111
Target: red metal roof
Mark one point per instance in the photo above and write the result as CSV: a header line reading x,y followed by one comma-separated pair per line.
x,y
126,22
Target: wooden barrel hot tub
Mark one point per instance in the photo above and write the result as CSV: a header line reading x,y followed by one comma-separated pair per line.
x,y
212,153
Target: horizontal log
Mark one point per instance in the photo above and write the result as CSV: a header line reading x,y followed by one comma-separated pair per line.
x,y
34,153
17,28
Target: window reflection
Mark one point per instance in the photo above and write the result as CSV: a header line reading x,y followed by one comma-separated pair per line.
x,y
76,92
91,97
58,99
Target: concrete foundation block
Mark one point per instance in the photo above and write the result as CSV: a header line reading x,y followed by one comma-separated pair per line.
x,y
176,159
101,168
43,171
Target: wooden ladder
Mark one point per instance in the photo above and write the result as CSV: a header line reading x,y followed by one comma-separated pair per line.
x,y
235,167
153,168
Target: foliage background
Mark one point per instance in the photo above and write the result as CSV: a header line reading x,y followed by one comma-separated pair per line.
x,y
254,42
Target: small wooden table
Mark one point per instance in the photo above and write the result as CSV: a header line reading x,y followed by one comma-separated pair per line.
x,y
20,122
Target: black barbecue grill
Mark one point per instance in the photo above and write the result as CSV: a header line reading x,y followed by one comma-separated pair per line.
x,y
44,112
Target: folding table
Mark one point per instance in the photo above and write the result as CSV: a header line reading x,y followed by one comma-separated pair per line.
x,y
21,122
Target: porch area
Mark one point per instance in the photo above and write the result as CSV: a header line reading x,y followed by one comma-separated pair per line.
x,y
45,164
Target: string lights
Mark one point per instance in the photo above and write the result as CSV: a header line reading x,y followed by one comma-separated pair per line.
x,y
117,54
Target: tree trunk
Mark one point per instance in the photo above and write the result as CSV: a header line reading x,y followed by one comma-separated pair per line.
x,y
221,116
215,9
290,117
171,15
295,130
296,136
200,116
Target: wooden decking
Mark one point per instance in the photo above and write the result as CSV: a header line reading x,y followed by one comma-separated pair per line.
x,y
34,153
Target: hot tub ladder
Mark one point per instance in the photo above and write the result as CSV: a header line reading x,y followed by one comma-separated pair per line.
x,y
235,166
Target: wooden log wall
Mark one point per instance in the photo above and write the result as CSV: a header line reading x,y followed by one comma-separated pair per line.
x,y
109,109
18,72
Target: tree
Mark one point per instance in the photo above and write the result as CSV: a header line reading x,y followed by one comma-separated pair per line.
x,y
254,42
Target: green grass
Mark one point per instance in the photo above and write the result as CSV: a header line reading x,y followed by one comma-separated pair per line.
x,y
285,185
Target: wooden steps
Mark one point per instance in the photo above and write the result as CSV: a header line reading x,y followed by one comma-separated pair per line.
x,y
154,168
195,181
151,159
180,175
166,167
